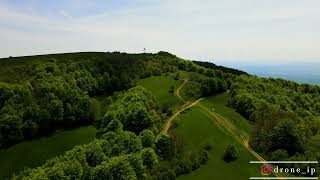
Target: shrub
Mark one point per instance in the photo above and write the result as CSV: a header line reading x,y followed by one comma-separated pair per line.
x,y
195,161
184,166
203,157
164,146
171,89
279,155
168,175
149,158
147,138
101,171
207,147
230,154
177,76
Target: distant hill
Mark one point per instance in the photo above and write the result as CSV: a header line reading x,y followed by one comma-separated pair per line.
x,y
303,73
222,68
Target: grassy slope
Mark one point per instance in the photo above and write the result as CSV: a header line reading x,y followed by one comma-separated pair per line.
x,y
36,152
219,104
315,143
159,87
190,87
197,130
189,75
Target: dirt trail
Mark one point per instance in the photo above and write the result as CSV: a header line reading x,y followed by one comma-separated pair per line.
x,y
185,106
239,135
177,93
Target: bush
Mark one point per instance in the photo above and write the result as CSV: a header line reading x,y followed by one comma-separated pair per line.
x,y
207,147
279,155
147,138
163,170
195,161
166,109
230,154
164,146
168,175
203,157
121,169
137,164
149,158
114,125
184,166
171,89
177,76
101,171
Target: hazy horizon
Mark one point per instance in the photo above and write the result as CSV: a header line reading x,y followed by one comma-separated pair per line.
x,y
299,72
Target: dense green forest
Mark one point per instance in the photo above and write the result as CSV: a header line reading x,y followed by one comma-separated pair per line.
x,y
286,115
44,93
220,69
120,152
40,94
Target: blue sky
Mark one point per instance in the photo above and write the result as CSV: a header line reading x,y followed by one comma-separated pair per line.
x,y
228,31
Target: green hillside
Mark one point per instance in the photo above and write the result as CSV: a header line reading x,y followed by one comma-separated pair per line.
x,y
160,87
219,104
156,116
48,92
33,153
197,130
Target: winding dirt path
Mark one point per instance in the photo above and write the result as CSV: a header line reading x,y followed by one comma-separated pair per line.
x,y
239,135
177,93
185,106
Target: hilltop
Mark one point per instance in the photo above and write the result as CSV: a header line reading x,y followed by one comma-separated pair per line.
x,y
155,116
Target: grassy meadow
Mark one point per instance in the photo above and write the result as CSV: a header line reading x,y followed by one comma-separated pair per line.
x,y
197,130
159,87
219,104
35,152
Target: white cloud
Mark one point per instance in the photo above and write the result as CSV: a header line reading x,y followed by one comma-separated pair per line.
x,y
243,29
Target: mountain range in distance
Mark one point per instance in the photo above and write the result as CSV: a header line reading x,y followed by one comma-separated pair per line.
x,y
299,72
